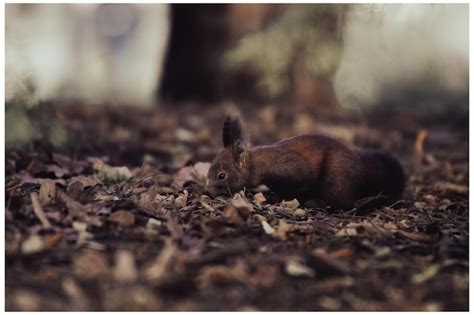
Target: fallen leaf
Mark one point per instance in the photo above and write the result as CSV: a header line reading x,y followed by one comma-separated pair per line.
x,y
32,244
196,173
296,268
123,218
90,264
26,300
299,213
425,275
125,269
57,170
205,202
460,189
111,174
211,277
259,199
158,270
347,231
47,191
267,227
38,210
237,210
181,200
290,205
84,182
416,236
419,144
282,229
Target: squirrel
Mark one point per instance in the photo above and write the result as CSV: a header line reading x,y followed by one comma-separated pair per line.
x,y
305,167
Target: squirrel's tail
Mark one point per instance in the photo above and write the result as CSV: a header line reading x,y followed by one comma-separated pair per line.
x,y
383,174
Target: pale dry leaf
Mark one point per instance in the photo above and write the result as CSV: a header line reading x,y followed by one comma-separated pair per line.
x,y
111,173
347,231
461,189
181,200
267,227
419,145
38,210
205,202
47,191
125,269
33,244
296,268
165,201
299,213
290,205
426,274
196,173
159,268
259,199
238,209
282,229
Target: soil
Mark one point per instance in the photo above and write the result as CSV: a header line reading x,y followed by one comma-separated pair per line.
x,y
117,219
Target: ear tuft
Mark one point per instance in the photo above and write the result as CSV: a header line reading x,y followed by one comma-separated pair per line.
x,y
231,131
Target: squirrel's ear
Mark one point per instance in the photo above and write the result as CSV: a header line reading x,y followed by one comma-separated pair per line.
x,y
232,132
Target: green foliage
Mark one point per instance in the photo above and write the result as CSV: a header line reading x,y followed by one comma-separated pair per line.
x,y
299,37
26,120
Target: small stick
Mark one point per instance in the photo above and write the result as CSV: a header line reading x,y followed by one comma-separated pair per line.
x,y
38,210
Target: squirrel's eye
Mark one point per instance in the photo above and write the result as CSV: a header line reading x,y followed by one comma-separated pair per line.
x,y
221,175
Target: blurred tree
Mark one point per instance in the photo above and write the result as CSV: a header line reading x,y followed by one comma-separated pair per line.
x,y
295,55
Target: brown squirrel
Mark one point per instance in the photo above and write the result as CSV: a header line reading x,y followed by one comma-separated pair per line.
x,y
306,167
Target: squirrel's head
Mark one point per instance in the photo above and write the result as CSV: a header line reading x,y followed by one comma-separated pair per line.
x,y
229,170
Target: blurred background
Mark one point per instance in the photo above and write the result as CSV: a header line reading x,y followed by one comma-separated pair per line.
x,y
315,55
354,57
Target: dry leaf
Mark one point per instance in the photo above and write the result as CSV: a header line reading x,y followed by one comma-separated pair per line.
x,y
33,244
158,271
237,210
123,218
427,274
47,191
290,205
267,227
38,210
111,174
347,231
181,200
125,269
416,236
205,202
461,189
419,143
196,174
259,199
282,230
299,213
90,264
212,276
295,268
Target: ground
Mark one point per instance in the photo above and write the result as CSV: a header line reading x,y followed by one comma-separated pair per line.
x,y
116,219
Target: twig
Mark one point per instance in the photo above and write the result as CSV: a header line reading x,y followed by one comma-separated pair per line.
x,y
38,210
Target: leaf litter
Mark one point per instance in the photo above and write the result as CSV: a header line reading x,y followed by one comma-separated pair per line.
x,y
123,223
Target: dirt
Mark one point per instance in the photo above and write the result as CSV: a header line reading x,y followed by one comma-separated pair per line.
x,y
117,218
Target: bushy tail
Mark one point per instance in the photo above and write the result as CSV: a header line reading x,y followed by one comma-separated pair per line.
x,y
384,174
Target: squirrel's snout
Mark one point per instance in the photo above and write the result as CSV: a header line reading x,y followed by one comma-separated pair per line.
x,y
211,191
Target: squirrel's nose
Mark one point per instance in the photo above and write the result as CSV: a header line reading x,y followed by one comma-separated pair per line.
x,y
211,191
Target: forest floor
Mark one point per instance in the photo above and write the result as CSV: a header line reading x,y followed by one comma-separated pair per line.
x,y
117,219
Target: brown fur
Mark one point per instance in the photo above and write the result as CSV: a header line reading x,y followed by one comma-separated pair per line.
x,y
306,167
